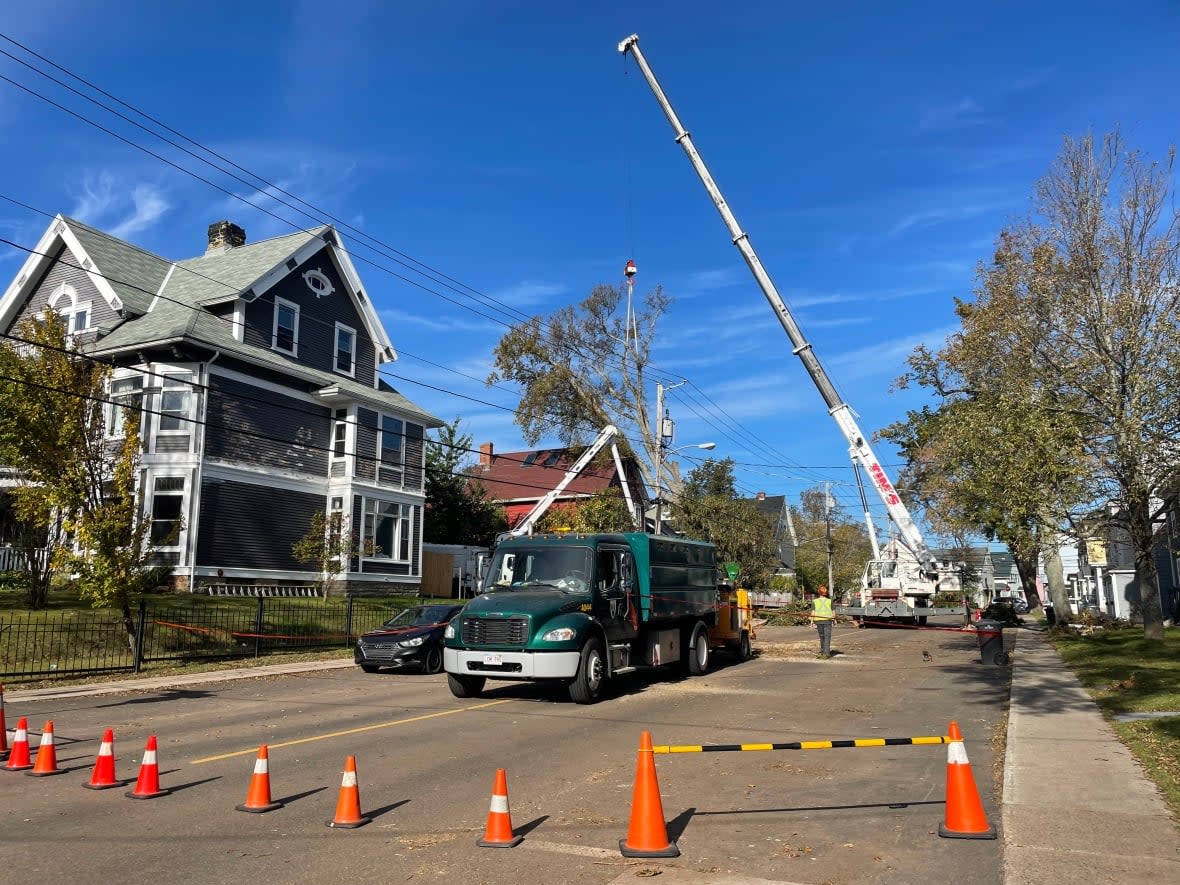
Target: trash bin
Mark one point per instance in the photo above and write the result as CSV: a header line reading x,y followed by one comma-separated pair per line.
x,y
1050,615
990,635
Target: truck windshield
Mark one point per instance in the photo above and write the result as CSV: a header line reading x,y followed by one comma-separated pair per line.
x,y
566,568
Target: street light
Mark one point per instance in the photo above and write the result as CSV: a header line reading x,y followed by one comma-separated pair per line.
x,y
661,455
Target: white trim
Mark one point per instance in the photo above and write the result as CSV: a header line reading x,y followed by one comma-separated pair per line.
x,y
160,291
341,327
271,477
260,384
238,326
380,338
70,313
279,272
274,331
96,276
30,274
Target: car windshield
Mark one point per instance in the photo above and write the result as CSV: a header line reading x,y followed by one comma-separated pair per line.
x,y
566,568
419,616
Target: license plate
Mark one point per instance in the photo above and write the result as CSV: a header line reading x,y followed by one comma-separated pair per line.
x,y
493,660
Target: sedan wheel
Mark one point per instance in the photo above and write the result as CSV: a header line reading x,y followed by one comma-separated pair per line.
x,y
432,661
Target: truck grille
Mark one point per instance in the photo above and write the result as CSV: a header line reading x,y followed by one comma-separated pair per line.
x,y
495,631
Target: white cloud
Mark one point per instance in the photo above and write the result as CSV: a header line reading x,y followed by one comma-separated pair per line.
x,y
887,357
955,115
96,197
452,321
148,206
529,292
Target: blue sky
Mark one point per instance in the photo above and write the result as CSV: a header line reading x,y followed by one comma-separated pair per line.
x,y
871,152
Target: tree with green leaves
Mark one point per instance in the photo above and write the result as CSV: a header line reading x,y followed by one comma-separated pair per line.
x,y
52,433
458,509
328,547
1075,324
583,367
708,508
851,548
604,511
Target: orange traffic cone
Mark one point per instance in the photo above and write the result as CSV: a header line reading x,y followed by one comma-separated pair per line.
x,y
348,805
18,758
103,776
147,785
258,795
498,833
965,818
647,836
3,726
46,763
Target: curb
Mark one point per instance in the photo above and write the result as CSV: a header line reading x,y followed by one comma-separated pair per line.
x,y
149,683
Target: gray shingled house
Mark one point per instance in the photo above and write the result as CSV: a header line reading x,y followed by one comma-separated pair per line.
x,y
258,367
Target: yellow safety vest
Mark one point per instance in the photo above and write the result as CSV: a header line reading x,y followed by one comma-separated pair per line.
x,y
822,608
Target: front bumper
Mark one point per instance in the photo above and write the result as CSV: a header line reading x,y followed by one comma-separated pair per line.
x,y
512,664
388,656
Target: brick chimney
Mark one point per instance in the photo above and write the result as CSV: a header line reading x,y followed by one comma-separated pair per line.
x,y
223,236
761,496
485,454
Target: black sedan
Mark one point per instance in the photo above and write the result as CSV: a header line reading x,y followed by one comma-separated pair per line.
x,y
413,638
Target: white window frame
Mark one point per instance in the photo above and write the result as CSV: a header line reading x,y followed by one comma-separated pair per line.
x,y
120,401
158,493
400,464
351,332
340,435
70,313
375,509
181,380
280,303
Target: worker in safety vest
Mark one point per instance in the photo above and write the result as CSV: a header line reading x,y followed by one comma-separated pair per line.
x,y
822,616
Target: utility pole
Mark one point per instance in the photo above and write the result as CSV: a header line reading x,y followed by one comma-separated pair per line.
x,y
828,520
665,429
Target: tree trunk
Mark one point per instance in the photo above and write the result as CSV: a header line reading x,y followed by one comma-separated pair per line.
x,y
1143,542
129,625
1027,570
1055,576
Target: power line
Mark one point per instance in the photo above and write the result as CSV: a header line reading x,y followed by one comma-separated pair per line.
x,y
270,186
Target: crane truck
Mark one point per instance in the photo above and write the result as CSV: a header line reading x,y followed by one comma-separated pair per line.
x,y
910,596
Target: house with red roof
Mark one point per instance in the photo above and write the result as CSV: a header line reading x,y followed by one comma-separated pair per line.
x,y
517,480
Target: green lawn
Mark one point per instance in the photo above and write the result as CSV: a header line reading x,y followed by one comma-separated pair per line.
x,y
1127,674
179,628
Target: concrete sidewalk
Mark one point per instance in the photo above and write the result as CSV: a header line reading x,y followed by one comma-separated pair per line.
x,y
1076,803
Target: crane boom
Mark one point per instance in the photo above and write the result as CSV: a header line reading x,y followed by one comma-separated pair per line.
x,y
859,448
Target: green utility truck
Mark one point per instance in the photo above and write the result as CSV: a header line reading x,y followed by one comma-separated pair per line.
x,y
584,608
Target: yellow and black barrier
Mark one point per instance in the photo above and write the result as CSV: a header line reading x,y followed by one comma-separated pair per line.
x,y
802,745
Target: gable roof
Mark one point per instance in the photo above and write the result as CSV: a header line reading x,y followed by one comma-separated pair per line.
x,y
163,302
529,475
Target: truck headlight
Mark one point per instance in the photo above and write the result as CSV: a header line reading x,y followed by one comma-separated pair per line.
x,y
412,643
449,632
561,634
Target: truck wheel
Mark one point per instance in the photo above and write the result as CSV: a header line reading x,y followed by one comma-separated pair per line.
x,y
587,684
922,620
696,651
465,686
744,650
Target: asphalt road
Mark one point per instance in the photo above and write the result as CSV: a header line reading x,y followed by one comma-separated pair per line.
x,y
426,763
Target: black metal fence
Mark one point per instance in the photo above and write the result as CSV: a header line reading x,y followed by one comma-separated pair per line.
x,y
180,629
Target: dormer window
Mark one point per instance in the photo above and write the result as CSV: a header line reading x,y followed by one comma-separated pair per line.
x,y
76,314
345,361
286,329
